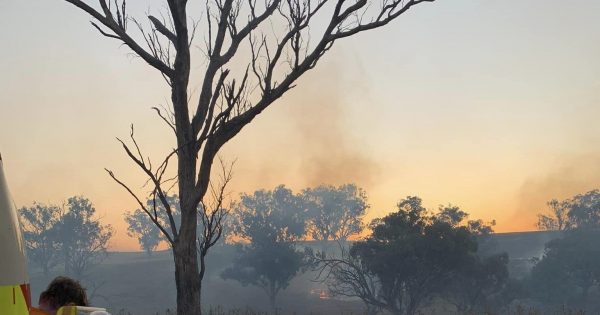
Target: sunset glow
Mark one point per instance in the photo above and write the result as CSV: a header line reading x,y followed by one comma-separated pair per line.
x,y
472,103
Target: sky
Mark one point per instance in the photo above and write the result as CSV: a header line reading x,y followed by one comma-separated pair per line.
x,y
483,104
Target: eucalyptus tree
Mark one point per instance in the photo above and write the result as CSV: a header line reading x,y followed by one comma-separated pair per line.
x,y
335,213
39,233
271,222
275,42
71,235
581,211
413,256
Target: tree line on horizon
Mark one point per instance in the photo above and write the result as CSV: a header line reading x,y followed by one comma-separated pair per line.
x,y
407,260
324,213
269,227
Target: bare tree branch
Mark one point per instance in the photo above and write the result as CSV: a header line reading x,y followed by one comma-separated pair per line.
x,y
140,162
162,29
212,215
120,33
169,123
154,217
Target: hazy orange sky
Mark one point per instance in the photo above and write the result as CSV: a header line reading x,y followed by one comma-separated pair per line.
x,y
483,104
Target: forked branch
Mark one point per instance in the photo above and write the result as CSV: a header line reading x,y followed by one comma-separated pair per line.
x,y
118,28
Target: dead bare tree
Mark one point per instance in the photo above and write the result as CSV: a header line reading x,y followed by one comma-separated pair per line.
x,y
278,50
347,276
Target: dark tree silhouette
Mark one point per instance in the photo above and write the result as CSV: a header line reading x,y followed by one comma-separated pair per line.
x,y
174,201
475,282
453,215
272,222
270,267
83,239
335,213
584,210
580,211
450,214
410,257
275,42
71,235
568,271
557,219
39,232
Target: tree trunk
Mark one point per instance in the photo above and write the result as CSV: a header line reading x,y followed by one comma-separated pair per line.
x,y
186,278
185,254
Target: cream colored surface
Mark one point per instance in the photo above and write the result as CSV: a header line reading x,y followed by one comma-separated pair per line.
x,y
13,264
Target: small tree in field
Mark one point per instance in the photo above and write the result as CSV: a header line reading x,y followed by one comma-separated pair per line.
x,y
410,257
272,222
275,42
83,238
39,232
70,235
270,267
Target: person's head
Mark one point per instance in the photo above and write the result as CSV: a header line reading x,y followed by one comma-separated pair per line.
x,y
60,292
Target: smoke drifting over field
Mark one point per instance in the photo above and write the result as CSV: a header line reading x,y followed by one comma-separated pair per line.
x,y
331,152
571,175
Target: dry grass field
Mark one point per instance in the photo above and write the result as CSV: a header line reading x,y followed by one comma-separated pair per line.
x,y
137,284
